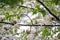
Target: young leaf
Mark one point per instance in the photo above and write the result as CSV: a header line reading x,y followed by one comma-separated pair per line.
x,y
15,30
0,25
58,36
21,1
43,12
34,11
38,7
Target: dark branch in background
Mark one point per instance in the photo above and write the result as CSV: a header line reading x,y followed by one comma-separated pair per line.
x,y
48,10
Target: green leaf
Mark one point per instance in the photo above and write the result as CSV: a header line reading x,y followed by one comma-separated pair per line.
x,y
57,2
0,25
58,28
29,0
21,1
34,11
6,17
49,3
15,30
9,2
58,36
38,7
36,33
45,32
43,12
18,17
27,31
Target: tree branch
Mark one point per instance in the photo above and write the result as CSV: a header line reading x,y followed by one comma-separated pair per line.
x,y
36,25
28,24
7,23
48,10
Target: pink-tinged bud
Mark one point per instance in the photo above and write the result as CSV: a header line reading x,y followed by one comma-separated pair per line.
x,y
2,16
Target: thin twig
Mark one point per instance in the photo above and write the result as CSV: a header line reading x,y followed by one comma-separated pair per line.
x,y
28,7
25,7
